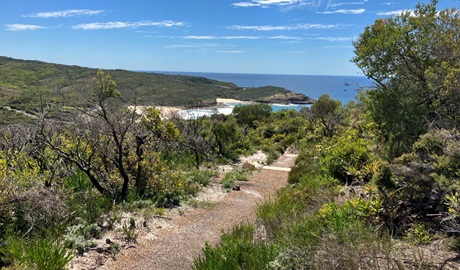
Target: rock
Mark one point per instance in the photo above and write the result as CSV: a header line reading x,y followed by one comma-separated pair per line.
x,y
248,166
288,98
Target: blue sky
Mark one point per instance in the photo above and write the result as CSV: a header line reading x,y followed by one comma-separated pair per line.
x,y
310,37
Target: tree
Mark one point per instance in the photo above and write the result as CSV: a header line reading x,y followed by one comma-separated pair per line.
x,y
328,112
105,139
222,131
248,114
193,138
413,59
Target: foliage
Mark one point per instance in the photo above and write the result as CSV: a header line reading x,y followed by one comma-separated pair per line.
x,y
231,177
37,253
348,159
328,112
249,115
412,58
79,237
237,250
387,166
196,179
129,231
418,234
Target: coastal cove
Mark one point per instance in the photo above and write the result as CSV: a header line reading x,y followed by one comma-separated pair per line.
x,y
225,106
343,88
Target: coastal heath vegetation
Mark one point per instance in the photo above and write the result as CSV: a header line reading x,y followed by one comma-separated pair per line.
x,y
376,182
64,182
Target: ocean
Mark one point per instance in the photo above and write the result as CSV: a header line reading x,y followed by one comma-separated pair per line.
x,y
343,88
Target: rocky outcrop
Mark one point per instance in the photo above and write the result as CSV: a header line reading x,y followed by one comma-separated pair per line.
x,y
288,98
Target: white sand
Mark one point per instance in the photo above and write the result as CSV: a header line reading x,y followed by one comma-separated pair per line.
x,y
230,100
165,111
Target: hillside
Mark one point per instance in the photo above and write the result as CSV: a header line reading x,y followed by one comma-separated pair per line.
x,y
25,84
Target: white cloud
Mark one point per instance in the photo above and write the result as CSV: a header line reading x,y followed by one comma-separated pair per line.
x,y
241,37
65,13
276,2
245,4
286,38
305,26
120,25
393,12
267,3
345,11
23,27
200,37
347,3
199,45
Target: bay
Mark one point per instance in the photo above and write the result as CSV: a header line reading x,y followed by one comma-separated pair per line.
x,y
343,88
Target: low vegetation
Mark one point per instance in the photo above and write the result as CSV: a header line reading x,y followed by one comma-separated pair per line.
x,y
65,183
376,182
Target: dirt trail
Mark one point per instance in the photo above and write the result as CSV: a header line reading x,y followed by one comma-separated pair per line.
x,y
176,247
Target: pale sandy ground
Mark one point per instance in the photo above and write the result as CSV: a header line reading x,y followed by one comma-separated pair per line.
x,y
230,100
165,111
169,111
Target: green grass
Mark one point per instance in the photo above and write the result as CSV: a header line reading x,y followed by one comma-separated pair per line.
x,y
237,250
37,253
231,177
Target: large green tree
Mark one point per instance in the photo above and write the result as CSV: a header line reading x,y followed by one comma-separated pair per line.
x,y
413,59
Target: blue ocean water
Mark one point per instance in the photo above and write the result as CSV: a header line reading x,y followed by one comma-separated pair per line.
x,y
343,88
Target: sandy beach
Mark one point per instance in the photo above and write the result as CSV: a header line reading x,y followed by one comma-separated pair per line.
x,y
230,100
165,111
168,111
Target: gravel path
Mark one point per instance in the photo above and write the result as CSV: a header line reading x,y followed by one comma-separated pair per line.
x,y
176,247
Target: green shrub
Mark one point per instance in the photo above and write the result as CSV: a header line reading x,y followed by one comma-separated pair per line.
x,y
88,206
237,175
237,250
304,164
348,159
129,231
195,179
80,236
36,253
202,177
78,182
418,234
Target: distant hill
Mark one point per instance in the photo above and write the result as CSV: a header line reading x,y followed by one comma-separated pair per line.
x,y
25,84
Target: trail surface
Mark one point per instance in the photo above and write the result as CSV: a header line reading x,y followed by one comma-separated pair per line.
x,y
178,245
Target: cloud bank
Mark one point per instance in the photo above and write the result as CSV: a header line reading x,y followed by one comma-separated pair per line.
x,y
121,25
304,26
65,13
23,27
345,11
266,3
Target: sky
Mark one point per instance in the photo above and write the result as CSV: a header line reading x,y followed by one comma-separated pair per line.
x,y
306,37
